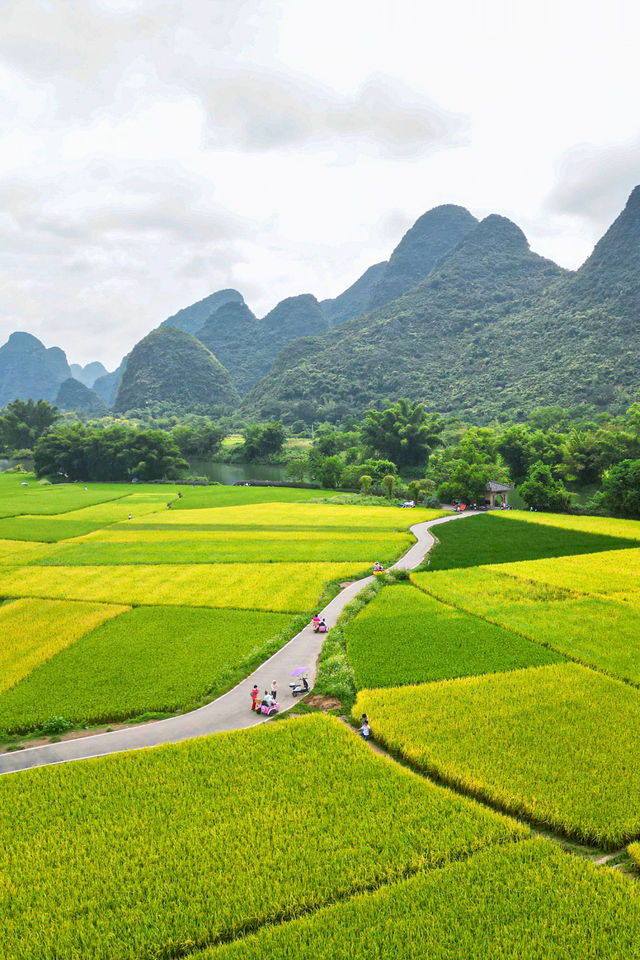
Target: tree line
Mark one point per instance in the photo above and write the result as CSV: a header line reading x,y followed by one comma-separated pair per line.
x,y
401,449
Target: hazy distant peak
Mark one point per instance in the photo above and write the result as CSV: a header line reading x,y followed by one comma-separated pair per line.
x,y
23,339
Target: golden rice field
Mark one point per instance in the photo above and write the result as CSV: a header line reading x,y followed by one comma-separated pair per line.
x,y
280,587
523,901
593,629
32,631
554,744
614,573
160,852
305,516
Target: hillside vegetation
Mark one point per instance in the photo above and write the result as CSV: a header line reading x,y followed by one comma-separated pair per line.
x,y
494,331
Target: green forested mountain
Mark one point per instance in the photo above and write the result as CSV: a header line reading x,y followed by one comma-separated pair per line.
x,y
231,334
248,346
445,342
355,298
494,331
171,367
190,319
431,236
611,275
29,369
483,328
75,396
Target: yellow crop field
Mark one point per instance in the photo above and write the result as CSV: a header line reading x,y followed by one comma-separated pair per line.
x,y
596,630
156,853
32,631
21,551
605,526
127,533
556,744
279,587
615,573
308,516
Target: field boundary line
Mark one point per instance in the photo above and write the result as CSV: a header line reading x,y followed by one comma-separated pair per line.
x,y
230,711
541,643
569,844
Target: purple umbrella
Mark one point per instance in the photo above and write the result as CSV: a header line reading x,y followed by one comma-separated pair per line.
x,y
298,671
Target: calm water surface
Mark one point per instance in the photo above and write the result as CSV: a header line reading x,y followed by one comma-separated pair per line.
x,y
234,472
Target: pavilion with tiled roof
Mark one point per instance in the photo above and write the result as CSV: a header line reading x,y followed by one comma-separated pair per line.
x,y
495,489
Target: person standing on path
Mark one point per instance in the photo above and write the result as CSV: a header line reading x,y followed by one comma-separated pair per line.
x,y
274,690
254,697
365,730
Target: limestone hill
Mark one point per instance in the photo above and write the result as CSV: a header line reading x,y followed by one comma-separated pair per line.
x,y
172,368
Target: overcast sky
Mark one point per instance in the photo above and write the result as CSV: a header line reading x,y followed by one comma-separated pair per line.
x,y
153,151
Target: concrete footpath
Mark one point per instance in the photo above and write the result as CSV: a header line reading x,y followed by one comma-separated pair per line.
x,y
231,711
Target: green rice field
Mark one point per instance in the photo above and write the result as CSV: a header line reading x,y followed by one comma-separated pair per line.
x,y
525,900
501,684
86,681
405,637
200,592
163,851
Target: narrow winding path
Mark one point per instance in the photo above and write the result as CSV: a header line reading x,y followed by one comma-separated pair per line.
x,y
232,710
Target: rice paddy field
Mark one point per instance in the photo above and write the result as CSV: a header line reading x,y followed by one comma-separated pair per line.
x,y
552,743
198,586
525,900
501,683
405,637
158,853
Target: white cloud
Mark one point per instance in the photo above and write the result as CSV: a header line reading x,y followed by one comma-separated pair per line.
x,y
152,152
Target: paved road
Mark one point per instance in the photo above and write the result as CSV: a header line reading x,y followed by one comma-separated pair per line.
x,y
232,710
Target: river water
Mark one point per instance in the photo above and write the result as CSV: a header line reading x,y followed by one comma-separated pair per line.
x,y
238,472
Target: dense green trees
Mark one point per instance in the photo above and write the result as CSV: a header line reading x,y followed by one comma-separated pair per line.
x,y
22,424
542,492
262,441
621,490
79,452
403,433
200,437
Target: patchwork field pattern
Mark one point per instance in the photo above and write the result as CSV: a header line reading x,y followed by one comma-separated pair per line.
x,y
509,536
553,743
213,587
33,631
112,673
188,867
524,900
405,637
592,629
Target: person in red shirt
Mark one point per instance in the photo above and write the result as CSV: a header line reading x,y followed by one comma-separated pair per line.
x,y
254,697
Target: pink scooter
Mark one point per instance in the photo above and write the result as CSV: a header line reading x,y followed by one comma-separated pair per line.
x,y
268,706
